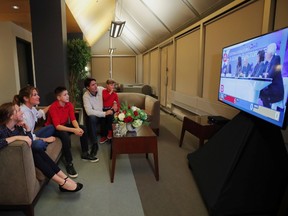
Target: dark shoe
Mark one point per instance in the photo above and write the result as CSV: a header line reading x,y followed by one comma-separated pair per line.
x,y
94,150
71,171
87,157
78,188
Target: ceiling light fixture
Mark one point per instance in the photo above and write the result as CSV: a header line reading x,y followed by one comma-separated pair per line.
x,y
111,50
116,28
15,7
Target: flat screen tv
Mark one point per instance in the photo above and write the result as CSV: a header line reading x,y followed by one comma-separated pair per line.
x,y
254,76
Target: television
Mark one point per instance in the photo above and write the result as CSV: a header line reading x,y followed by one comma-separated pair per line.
x,y
254,76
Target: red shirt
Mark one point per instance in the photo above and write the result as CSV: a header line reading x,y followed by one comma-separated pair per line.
x,y
108,99
59,115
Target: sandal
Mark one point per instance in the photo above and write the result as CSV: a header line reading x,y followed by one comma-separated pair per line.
x,y
78,187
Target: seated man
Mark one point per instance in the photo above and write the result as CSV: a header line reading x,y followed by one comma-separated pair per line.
x,y
93,106
275,91
60,112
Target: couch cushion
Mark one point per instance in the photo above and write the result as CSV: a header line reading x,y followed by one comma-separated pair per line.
x,y
135,99
16,161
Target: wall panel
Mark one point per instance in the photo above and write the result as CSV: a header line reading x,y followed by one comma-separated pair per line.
x,y
100,68
281,15
146,68
123,68
232,28
154,71
187,63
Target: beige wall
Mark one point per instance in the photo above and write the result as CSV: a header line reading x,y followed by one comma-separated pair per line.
x,y
9,71
123,68
196,57
187,63
281,15
198,51
234,27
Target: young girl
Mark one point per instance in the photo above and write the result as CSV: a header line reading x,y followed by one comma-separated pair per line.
x,y
12,128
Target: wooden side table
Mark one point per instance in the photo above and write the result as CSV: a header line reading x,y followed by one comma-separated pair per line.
x,y
200,127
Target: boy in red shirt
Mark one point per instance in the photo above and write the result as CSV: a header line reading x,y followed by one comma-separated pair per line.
x,y
61,115
110,102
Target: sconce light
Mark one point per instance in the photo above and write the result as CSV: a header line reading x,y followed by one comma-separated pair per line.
x,y
116,28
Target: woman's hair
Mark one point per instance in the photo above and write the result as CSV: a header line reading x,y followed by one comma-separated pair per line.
x,y
6,111
24,92
239,61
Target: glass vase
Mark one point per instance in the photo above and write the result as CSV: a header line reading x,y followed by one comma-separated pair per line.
x,y
130,127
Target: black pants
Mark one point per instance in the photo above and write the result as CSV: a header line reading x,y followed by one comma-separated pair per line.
x,y
44,163
65,138
106,123
94,128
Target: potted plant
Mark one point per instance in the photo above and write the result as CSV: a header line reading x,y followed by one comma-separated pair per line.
x,y
78,54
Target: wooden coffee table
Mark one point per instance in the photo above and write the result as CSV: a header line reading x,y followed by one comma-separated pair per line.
x,y
143,141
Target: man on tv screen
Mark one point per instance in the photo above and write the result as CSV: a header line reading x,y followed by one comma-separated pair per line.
x,y
275,91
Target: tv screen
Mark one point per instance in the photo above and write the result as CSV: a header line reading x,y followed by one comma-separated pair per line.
x,y
254,76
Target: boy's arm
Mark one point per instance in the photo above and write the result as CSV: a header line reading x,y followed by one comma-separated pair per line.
x,y
64,128
117,101
75,124
77,131
116,105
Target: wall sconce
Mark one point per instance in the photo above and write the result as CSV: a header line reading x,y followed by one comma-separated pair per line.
x,y
116,28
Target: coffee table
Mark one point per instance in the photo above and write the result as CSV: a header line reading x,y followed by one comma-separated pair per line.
x,y
143,141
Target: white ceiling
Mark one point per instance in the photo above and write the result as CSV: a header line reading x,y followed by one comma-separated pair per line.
x,y
149,22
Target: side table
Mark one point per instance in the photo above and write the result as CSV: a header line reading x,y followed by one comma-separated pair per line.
x,y
200,127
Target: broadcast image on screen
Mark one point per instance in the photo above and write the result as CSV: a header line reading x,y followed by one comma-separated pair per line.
x,y
254,76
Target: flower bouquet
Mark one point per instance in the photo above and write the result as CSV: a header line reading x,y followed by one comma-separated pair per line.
x,y
130,115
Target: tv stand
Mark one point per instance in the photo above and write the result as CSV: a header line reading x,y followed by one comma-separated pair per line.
x,y
243,169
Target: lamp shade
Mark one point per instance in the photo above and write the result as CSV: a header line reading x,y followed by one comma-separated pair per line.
x,y
116,28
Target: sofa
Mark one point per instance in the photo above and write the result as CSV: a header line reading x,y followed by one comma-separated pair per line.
x,y
138,88
149,104
20,181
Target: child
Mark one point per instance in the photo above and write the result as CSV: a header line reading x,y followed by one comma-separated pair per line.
x,y
12,128
110,102
61,112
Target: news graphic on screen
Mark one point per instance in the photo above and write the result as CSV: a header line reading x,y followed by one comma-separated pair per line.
x,y
254,76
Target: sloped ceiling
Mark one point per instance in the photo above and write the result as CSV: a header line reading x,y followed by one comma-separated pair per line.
x,y
148,22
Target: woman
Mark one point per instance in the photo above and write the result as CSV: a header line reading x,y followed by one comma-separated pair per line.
x,y
260,67
28,98
12,128
239,67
